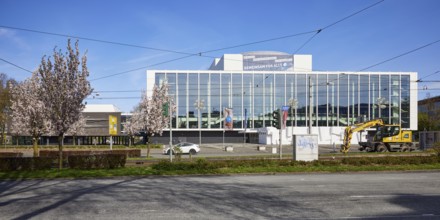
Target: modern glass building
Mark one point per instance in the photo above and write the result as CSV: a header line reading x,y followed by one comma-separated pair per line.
x,y
334,100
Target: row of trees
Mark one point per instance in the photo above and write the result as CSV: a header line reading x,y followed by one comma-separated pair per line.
x,y
51,100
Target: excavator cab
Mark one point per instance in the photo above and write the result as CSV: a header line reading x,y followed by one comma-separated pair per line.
x,y
386,131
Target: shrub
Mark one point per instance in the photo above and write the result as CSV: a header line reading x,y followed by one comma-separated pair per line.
x,y
98,161
412,160
68,153
26,163
436,148
11,154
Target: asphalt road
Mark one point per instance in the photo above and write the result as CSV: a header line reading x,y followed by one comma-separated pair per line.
x,y
389,195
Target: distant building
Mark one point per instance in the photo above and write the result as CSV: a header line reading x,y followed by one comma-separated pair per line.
x,y
430,106
97,119
252,85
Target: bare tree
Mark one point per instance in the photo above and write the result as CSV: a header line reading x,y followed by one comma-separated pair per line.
x,y
151,113
64,86
28,111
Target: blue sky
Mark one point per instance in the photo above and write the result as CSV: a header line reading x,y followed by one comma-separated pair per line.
x,y
386,30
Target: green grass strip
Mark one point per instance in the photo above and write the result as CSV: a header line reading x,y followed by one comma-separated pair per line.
x,y
149,171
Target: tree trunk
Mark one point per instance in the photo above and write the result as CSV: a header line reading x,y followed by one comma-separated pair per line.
x,y
129,141
60,151
74,142
35,146
148,145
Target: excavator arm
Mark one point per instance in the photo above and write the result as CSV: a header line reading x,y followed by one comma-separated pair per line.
x,y
349,130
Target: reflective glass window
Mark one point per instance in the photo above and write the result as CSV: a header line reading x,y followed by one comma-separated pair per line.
x,y
258,101
237,98
301,89
343,100
405,101
247,99
204,97
321,107
353,108
182,100
374,94
216,115
333,99
364,97
193,89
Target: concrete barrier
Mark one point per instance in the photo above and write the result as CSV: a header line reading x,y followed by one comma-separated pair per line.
x,y
229,149
261,148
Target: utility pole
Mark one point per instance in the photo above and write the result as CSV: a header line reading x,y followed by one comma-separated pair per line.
x,y
310,105
280,146
200,105
171,132
293,103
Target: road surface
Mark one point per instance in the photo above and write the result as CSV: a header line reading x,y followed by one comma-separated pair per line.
x,y
390,195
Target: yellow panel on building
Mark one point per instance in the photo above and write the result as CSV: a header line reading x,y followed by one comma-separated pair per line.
x,y
112,125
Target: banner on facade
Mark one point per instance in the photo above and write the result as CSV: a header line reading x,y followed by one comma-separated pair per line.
x,y
228,120
112,125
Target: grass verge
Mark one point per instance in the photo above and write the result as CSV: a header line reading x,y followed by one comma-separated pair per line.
x,y
225,167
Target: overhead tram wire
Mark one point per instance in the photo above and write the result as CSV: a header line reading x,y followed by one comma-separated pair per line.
x,y
201,54
13,64
336,22
310,39
237,94
351,15
141,68
420,79
400,55
94,40
388,60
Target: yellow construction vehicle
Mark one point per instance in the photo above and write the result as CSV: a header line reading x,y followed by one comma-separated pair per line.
x,y
387,137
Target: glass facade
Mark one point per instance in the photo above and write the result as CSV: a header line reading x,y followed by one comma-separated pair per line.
x,y
337,99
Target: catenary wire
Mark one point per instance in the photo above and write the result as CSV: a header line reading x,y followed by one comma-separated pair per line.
x,y
188,54
13,64
420,79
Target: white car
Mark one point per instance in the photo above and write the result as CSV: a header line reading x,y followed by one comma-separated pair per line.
x,y
185,148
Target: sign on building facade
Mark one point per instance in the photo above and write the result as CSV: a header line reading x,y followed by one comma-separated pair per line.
x,y
113,125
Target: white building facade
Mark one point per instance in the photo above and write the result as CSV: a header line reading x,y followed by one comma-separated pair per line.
x,y
253,85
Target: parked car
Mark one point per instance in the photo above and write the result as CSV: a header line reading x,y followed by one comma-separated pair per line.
x,y
185,148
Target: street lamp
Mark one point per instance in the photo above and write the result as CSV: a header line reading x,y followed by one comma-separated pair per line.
x,y
200,105
293,103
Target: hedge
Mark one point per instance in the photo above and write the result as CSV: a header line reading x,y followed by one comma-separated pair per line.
x,y
202,164
358,161
11,154
26,163
68,153
99,161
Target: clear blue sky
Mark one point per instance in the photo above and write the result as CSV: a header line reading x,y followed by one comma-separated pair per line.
x,y
388,29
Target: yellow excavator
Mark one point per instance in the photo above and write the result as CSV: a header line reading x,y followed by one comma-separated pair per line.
x,y
387,137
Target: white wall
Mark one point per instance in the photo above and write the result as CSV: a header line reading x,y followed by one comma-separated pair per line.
x,y
233,62
302,63
326,135
150,82
413,102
